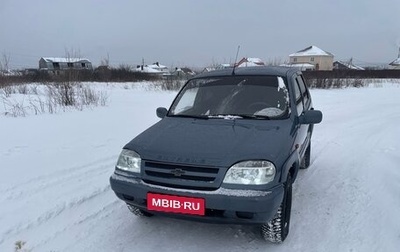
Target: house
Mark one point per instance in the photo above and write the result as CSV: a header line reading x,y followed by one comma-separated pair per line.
x,y
183,72
223,66
217,67
55,65
346,65
322,60
209,69
247,62
155,69
301,66
395,64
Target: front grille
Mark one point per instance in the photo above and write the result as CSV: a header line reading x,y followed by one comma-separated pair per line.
x,y
181,176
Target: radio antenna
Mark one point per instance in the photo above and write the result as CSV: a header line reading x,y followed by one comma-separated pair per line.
x,y
234,64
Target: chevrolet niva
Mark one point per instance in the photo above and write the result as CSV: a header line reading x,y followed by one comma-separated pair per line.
x,y
227,150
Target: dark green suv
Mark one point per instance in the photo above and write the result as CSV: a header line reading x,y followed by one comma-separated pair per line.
x,y
227,150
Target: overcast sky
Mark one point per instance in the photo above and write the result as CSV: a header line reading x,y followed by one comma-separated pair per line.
x,y
197,32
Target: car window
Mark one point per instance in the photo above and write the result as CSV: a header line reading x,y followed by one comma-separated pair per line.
x,y
299,97
297,92
304,91
187,101
233,95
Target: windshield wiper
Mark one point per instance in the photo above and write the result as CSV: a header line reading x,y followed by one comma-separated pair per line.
x,y
190,116
255,117
239,116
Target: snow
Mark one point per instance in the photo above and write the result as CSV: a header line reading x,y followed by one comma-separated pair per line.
x,y
64,60
301,66
226,117
55,193
270,112
311,51
255,60
250,62
153,68
147,69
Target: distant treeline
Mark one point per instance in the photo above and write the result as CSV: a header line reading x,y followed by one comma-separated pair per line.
x,y
315,79
99,75
353,74
346,77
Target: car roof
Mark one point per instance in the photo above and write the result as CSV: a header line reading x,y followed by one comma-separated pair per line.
x,y
257,70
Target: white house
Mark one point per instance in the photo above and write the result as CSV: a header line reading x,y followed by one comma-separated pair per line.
x,y
395,64
322,60
301,66
346,65
247,62
52,64
155,68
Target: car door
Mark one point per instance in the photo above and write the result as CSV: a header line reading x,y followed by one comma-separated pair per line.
x,y
303,103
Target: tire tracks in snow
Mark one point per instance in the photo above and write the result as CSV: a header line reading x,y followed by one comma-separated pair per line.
x,y
60,192
40,183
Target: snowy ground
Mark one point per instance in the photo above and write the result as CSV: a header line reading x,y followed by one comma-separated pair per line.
x,y
55,194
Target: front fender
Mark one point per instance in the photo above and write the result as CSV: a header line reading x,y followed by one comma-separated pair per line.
x,y
292,161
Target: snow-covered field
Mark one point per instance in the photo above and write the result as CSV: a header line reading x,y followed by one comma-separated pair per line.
x,y
55,193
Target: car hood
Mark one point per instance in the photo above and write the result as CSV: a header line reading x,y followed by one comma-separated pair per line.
x,y
213,142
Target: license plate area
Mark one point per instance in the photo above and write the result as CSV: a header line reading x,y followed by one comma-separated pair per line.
x,y
175,204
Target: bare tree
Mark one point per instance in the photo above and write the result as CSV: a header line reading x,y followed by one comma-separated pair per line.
x,y
5,62
72,53
71,74
105,61
275,62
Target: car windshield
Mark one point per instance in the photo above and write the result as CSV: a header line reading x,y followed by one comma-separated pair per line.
x,y
254,97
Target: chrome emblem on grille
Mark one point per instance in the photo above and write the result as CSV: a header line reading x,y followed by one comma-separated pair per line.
x,y
178,172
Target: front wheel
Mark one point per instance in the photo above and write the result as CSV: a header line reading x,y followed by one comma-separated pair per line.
x,y
277,229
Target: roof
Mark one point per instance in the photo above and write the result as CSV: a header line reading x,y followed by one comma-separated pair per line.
x,y
255,60
157,66
259,70
349,65
249,62
300,65
185,70
311,51
148,69
396,62
64,60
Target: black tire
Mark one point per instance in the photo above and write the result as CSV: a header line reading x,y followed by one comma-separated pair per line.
x,y
305,162
138,212
277,229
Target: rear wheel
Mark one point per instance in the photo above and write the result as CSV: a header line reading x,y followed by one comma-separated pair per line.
x,y
138,212
277,229
305,162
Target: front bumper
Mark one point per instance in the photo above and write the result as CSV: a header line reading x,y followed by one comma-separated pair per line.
x,y
222,205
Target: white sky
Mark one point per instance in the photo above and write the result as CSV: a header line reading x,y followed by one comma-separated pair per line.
x,y
197,33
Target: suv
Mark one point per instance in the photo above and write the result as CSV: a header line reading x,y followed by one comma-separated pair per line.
x,y
227,150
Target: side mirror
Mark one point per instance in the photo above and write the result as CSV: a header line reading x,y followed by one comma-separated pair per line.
x,y
310,117
161,112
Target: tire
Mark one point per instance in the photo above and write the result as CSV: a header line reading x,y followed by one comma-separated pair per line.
x,y
305,162
138,212
277,229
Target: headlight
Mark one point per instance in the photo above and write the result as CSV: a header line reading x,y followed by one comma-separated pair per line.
x,y
250,173
129,161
